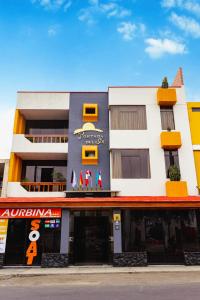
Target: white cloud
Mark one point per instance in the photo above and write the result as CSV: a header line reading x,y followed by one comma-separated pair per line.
x,y
189,5
54,4
158,47
127,30
96,8
6,129
188,25
53,30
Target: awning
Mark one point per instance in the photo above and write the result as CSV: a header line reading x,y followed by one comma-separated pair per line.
x,y
101,202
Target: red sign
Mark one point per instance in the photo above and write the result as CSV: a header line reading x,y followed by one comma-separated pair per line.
x,y
22,213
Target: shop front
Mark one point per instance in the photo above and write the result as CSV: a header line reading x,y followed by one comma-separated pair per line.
x,y
28,234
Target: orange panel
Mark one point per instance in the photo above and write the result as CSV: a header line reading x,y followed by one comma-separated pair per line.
x,y
170,140
176,189
166,96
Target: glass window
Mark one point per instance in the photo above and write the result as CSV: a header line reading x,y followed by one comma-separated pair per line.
x,y
131,163
167,118
195,109
171,159
128,117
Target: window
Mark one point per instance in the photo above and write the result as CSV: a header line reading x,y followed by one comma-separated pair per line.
x,y
90,112
132,163
167,118
89,155
195,109
128,117
171,159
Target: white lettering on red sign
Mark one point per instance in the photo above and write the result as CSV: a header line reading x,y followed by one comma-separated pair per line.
x,y
30,212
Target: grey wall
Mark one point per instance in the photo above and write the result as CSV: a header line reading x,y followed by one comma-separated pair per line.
x,y
74,147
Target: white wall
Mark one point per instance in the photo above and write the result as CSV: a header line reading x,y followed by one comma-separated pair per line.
x,y
43,100
23,145
14,189
150,139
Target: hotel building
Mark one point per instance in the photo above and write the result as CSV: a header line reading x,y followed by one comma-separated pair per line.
x,y
91,179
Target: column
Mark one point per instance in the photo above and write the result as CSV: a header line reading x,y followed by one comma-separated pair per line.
x,y
117,231
64,241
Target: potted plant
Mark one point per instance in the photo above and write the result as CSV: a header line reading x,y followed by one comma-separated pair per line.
x,y
58,177
166,95
165,84
175,187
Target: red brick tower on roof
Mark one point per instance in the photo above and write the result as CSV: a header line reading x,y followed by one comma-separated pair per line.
x,y
178,80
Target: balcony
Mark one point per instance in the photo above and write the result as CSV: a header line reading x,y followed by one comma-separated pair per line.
x,y
52,139
37,178
170,140
39,144
44,186
166,97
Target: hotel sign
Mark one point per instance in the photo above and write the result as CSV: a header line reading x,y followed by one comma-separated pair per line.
x,y
84,133
26,213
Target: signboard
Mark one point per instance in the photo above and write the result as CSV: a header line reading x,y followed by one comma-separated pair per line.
x,y
84,134
117,218
25,213
3,234
52,224
34,236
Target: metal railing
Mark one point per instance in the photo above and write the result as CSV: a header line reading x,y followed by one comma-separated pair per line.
x,y
41,138
44,186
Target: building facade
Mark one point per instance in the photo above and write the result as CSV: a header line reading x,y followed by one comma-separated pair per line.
x,y
103,178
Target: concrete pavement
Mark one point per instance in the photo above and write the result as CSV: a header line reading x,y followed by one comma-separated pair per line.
x,y
72,270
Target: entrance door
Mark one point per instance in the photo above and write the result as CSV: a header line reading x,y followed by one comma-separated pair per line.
x,y
155,239
91,240
16,242
47,175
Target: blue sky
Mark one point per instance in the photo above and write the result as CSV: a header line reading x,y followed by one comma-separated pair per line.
x,y
91,44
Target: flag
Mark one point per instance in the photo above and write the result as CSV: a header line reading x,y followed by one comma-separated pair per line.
x,y
97,178
73,179
100,180
87,177
81,179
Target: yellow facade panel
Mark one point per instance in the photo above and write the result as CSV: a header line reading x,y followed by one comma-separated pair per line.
x,y
15,168
90,112
89,155
194,119
19,123
197,166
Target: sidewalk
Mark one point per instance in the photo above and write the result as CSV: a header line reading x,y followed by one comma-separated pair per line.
x,y
73,270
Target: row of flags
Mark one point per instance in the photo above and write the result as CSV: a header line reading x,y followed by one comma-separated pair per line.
x,y
86,179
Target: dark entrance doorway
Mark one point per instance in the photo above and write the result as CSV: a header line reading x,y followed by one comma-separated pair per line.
x,y
47,175
17,243
91,245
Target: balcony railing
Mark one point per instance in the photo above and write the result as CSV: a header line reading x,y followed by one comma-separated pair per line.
x,y
37,138
44,186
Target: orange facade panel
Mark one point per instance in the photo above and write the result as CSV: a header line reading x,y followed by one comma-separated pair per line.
x,y
166,96
176,189
170,140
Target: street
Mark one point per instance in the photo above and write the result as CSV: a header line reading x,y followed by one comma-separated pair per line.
x,y
151,286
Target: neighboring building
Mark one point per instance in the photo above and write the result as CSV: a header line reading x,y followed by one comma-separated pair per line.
x,y
4,165
194,119
89,179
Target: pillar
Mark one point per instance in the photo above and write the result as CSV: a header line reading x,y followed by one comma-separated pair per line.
x,y
117,231
61,260
64,242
